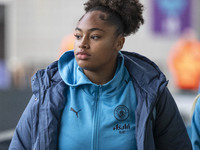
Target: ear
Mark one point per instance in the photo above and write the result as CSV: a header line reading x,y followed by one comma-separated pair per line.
x,y
120,42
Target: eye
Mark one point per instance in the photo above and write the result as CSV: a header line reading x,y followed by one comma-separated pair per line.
x,y
77,36
95,37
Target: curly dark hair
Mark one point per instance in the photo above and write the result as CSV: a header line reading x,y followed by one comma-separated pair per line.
x,y
125,14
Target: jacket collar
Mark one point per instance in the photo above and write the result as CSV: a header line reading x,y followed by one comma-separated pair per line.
x,y
144,72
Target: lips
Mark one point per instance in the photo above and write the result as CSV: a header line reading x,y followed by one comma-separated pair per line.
x,y
83,55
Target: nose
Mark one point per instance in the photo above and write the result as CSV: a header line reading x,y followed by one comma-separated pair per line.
x,y
84,43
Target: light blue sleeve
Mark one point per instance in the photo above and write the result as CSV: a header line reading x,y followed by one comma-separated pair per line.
x,y
195,127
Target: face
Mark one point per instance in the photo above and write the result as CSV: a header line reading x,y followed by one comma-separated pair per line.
x,y
96,45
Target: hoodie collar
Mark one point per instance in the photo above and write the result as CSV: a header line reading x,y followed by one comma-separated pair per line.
x,y
73,75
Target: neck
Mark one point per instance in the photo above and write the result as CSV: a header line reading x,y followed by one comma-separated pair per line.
x,y
101,77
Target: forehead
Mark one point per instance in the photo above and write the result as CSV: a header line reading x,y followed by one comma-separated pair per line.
x,y
94,19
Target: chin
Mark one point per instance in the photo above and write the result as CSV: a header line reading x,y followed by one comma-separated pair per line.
x,y
83,65
87,67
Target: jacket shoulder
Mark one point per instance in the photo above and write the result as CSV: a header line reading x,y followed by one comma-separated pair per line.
x,y
45,78
143,63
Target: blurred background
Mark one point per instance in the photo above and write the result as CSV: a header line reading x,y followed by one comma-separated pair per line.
x,y
34,33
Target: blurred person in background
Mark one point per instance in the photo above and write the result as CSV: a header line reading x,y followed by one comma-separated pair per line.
x,y
98,97
195,130
18,74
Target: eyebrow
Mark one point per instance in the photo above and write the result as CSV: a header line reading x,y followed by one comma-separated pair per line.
x,y
92,29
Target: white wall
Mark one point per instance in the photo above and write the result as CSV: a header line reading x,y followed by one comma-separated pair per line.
x,y
40,25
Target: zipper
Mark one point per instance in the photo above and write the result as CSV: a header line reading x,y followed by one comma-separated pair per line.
x,y
96,121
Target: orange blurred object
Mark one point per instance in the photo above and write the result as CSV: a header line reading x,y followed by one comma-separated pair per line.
x,y
67,44
184,62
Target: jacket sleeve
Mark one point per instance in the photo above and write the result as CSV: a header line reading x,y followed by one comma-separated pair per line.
x,y
170,132
195,136
21,139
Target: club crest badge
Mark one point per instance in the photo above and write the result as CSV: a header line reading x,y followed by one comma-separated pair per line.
x,y
121,112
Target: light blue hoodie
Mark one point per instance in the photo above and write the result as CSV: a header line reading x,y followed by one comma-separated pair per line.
x,y
97,116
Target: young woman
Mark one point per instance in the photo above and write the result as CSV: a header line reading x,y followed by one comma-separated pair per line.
x,y
98,97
